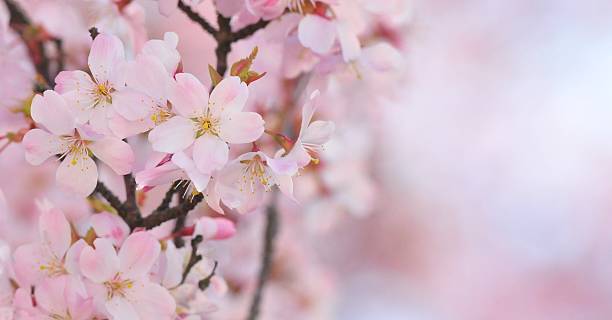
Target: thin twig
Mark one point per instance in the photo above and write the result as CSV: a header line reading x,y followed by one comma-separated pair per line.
x,y
204,283
158,217
249,30
193,258
195,17
107,194
272,225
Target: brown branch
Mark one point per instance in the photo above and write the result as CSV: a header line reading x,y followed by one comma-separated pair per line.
x,y
195,17
107,194
249,30
193,258
204,283
267,254
158,217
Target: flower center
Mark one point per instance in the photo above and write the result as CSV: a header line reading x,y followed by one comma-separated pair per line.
x,y
117,286
53,268
161,114
77,149
102,94
255,172
207,124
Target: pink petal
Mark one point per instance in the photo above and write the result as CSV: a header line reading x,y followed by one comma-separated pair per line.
x,y
80,304
110,226
51,111
50,295
99,264
319,132
164,51
308,111
72,256
149,76
153,301
282,165
98,119
317,33
172,136
229,95
40,145
120,308
80,104
351,48
28,259
106,54
174,266
123,128
213,198
55,231
78,175
115,153
199,180
285,185
132,105
137,254
77,80
188,95
241,127
159,175
210,153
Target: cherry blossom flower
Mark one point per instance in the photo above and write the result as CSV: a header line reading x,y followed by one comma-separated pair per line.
x,y
244,181
92,96
207,124
319,30
312,136
120,283
56,298
77,171
53,256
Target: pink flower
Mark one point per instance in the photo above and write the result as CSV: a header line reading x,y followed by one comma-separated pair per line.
x,y
243,182
207,124
121,286
266,9
92,96
52,256
56,298
313,135
319,33
77,171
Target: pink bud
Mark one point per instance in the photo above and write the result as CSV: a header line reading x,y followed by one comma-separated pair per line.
x,y
214,228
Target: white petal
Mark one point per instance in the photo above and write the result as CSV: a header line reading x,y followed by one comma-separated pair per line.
x,y
317,33
318,132
120,308
51,111
77,174
40,145
210,153
229,95
241,127
174,135
188,95
115,153
106,54
132,105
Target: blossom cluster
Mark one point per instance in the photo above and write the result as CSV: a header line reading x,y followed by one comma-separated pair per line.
x,y
121,108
